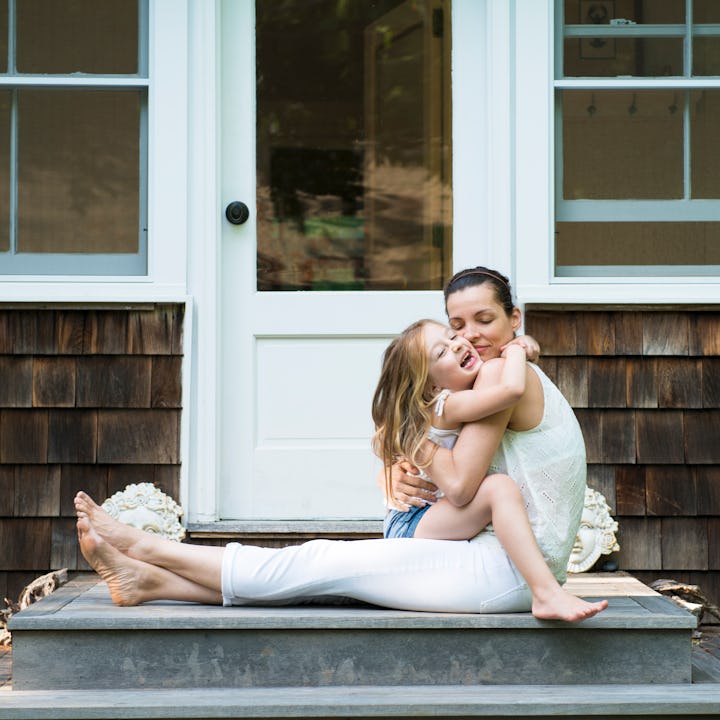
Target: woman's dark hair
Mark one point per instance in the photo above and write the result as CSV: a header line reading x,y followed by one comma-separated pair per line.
x,y
479,276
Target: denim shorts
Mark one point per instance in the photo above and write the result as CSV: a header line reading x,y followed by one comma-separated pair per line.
x,y
403,524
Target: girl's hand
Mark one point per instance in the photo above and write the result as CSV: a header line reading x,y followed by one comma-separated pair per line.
x,y
409,489
529,343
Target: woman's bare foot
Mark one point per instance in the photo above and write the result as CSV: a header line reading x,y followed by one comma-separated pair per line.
x,y
562,605
122,537
128,580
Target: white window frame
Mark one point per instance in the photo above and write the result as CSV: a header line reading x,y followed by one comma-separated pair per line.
x,y
167,190
534,32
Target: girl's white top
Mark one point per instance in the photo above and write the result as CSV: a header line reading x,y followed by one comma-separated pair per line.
x,y
548,464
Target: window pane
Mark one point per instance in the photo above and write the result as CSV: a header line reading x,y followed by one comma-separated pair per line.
x,y
78,171
705,143
5,100
622,145
642,12
637,243
609,57
706,56
3,35
706,11
353,144
89,36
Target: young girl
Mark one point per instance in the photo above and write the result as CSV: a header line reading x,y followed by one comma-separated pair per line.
x,y
433,381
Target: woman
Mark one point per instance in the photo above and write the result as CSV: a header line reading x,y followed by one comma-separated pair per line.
x,y
412,574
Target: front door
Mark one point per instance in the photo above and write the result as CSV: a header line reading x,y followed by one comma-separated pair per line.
x,y
336,136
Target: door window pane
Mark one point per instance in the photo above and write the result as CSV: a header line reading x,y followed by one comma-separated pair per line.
x,y
705,143
622,145
85,36
78,171
353,144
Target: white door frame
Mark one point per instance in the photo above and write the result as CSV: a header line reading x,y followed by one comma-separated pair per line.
x,y
482,199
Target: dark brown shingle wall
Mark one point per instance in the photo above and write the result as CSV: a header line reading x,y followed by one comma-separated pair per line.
x,y
89,399
645,385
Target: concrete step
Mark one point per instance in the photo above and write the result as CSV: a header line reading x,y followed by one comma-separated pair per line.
x,y
473,701
77,639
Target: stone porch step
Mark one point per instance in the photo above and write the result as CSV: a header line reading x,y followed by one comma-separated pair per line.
x,y
77,639
475,701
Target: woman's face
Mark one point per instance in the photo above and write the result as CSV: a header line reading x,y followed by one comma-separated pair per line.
x,y
475,313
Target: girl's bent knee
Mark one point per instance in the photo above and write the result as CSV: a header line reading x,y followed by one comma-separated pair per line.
x,y
501,485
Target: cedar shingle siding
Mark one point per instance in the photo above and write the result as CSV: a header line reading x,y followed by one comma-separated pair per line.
x,y
645,386
89,399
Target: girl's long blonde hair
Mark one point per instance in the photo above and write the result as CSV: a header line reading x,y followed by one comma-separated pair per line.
x,y
401,406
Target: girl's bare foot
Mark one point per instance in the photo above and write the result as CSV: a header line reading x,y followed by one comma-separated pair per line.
x,y
562,605
128,580
122,537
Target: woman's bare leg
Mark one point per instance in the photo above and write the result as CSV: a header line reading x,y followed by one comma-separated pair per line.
x,y
498,500
131,581
200,564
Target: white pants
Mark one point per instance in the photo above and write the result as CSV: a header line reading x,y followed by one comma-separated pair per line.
x,y
404,573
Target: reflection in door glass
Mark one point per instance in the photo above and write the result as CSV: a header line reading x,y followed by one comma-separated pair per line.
x,y
353,144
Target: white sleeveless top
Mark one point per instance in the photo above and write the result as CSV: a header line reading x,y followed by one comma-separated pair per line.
x,y
548,464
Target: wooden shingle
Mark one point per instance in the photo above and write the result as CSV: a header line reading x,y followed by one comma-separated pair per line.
x,y
23,436
93,479
166,389
53,382
138,436
628,333
660,436
554,331
25,543
70,331
707,480
641,378
572,380
701,436
16,385
665,333
705,333
151,333
37,491
684,544
670,490
640,543
617,430
607,382
72,436
630,490
602,479
167,478
7,490
64,550
711,382
105,332
119,476
112,381
713,544
595,333
679,382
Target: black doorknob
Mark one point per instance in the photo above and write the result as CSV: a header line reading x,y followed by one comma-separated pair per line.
x,y
237,212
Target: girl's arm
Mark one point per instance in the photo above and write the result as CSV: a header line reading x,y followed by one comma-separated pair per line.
x,y
489,395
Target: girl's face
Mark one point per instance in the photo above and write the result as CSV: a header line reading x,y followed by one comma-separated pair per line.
x,y
475,313
453,363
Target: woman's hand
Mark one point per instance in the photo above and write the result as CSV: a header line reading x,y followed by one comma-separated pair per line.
x,y
532,349
409,489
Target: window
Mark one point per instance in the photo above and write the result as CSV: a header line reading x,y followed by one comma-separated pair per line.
x,y
73,109
637,138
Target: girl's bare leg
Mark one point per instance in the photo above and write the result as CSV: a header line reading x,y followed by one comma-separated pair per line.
x,y
131,581
498,500
197,563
